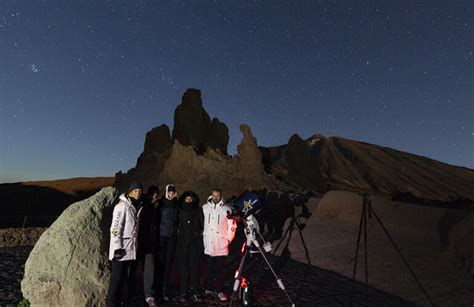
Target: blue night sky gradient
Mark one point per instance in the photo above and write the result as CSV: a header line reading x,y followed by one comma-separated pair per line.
x,y
81,82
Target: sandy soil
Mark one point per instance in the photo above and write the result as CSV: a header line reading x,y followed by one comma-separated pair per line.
x,y
438,244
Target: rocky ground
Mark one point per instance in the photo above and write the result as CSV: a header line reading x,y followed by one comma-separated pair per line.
x,y
11,272
20,236
307,285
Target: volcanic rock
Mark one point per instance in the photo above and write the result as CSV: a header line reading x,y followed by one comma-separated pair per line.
x,y
68,265
192,125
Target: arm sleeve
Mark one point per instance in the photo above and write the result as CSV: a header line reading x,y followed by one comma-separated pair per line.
x,y
116,229
155,224
231,228
201,219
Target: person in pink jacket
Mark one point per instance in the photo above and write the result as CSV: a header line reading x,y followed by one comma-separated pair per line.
x,y
219,231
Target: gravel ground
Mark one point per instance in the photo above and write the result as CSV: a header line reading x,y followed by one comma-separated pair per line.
x,y
12,265
307,285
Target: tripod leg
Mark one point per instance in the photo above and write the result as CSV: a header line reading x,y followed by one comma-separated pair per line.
x,y
365,256
362,218
278,279
361,223
401,256
238,275
289,231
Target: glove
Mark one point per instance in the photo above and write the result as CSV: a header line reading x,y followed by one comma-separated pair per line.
x,y
119,253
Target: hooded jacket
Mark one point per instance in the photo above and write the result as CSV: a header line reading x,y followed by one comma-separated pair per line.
x,y
168,215
124,229
190,217
219,231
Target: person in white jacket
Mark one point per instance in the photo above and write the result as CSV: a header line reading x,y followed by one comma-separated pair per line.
x,y
219,231
123,243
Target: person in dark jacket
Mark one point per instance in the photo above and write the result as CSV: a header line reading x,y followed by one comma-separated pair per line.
x,y
189,246
146,242
168,216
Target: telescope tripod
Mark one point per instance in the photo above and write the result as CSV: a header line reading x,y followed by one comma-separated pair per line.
x,y
251,230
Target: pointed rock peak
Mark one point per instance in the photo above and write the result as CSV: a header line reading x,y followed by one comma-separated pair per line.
x,y
295,138
193,126
192,96
248,141
315,138
157,140
247,132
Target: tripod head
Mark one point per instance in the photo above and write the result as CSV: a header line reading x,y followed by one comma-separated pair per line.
x,y
252,232
367,203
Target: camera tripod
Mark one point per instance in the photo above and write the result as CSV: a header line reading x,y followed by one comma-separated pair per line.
x,y
367,212
251,232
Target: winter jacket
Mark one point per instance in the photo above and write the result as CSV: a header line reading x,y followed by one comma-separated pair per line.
x,y
190,217
219,231
124,229
168,215
146,232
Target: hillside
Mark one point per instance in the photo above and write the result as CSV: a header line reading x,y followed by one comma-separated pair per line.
x,y
334,163
42,201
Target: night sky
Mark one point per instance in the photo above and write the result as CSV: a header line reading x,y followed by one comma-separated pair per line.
x,y
81,82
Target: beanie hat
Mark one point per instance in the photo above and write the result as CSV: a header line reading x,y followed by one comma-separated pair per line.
x,y
134,185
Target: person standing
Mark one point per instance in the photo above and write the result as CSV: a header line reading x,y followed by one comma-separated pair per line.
x,y
146,242
219,231
189,246
168,216
123,244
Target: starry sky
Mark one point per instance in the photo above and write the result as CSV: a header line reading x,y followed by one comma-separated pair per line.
x,y
81,82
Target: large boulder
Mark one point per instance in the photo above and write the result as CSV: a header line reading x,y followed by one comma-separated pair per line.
x,y
68,265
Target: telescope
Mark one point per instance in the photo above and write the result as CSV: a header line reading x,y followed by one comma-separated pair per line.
x,y
244,209
246,205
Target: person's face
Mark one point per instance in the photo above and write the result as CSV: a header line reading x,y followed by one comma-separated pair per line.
x,y
188,200
216,196
137,193
154,198
171,194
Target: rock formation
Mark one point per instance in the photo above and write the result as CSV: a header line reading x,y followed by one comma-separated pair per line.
x,y
201,173
151,160
192,125
68,265
195,157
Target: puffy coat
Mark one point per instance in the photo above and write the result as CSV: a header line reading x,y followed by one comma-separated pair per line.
x,y
168,215
219,231
190,217
124,229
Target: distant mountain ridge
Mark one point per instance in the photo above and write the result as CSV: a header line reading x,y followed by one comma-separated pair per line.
x,y
335,163
42,201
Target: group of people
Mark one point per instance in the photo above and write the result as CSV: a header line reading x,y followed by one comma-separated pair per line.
x,y
153,231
